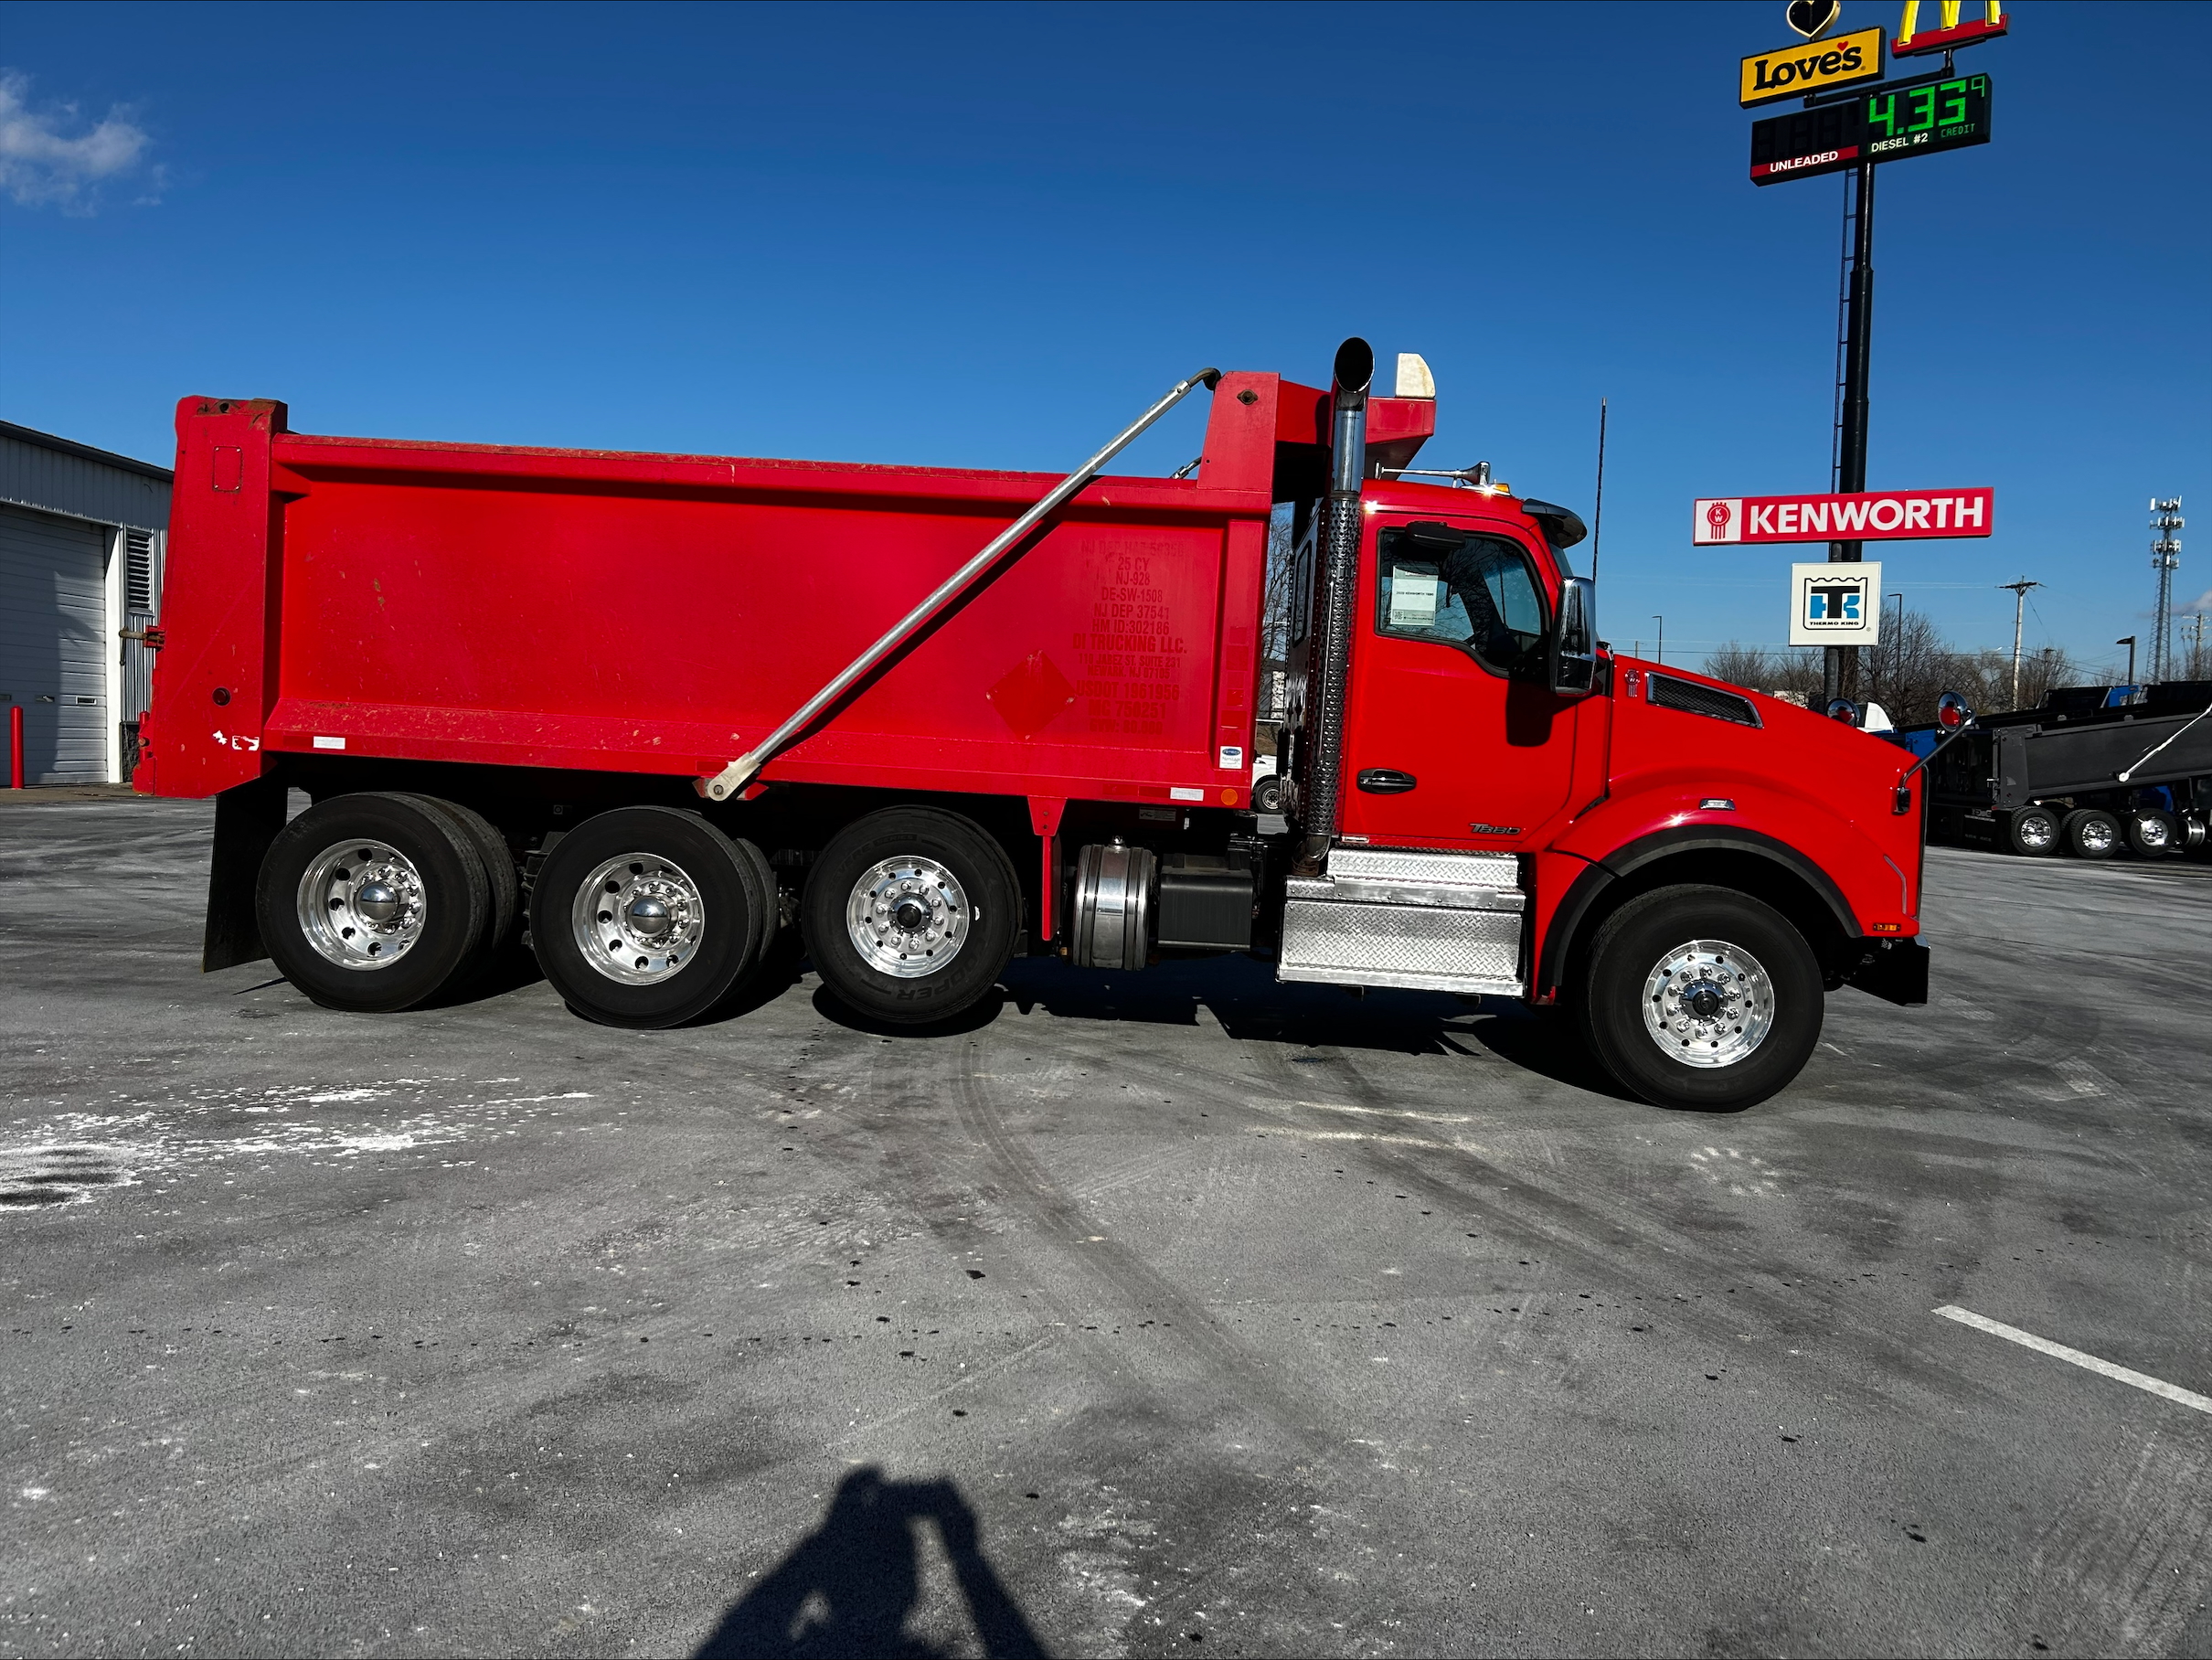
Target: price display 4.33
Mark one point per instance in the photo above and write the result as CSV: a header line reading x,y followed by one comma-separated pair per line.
x,y
1881,125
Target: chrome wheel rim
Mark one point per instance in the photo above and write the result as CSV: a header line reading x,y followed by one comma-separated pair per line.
x,y
2037,830
2097,836
1708,1004
908,917
637,919
2152,832
361,904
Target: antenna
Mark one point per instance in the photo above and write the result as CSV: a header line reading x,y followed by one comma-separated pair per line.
x,y
1596,528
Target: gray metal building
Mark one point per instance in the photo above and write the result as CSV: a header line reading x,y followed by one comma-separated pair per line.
x,y
82,538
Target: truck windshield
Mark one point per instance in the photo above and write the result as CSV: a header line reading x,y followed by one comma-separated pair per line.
x,y
1480,597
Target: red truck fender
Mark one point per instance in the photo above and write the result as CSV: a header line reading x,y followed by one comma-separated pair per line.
x,y
1626,844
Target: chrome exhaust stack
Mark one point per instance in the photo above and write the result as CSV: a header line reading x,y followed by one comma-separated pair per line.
x,y
1340,580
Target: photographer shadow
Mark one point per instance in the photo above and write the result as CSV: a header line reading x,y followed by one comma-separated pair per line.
x,y
850,1586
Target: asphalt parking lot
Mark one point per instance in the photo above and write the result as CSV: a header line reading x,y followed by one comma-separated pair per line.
x,y
1171,1312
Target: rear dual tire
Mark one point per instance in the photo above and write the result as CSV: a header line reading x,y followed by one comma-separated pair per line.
x,y
2090,833
376,902
648,916
2032,831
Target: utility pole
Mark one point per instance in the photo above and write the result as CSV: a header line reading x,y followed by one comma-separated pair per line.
x,y
1661,622
1855,347
2166,557
2019,593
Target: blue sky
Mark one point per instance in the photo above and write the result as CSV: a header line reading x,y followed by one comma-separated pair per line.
x,y
988,236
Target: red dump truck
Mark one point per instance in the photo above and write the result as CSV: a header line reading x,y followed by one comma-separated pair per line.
x,y
649,711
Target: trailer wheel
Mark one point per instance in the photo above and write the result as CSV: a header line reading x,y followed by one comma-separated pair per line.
x,y
1701,996
372,902
2152,833
910,914
645,917
2090,833
2032,831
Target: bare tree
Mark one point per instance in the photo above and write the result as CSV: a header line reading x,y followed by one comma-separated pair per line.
x,y
1908,672
1985,677
1795,674
1750,667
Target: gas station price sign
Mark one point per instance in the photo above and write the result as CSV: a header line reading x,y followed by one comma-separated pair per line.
x,y
1883,124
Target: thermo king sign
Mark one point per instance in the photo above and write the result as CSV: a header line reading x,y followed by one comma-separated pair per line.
x,y
1835,603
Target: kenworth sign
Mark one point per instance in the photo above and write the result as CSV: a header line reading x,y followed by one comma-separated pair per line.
x,y
1870,515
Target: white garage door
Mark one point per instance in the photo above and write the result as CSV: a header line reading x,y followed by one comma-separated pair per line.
x,y
52,644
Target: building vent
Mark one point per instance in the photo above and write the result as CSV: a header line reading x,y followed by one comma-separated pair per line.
x,y
1693,699
138,571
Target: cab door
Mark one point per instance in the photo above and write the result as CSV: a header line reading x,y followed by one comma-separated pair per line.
x,y
1453,736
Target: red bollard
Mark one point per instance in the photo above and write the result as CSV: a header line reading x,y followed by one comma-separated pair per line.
x,y
14,747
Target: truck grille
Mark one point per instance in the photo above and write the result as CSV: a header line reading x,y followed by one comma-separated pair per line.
x,y
1693,699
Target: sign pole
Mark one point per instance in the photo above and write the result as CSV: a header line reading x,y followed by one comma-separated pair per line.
x,y
1840,674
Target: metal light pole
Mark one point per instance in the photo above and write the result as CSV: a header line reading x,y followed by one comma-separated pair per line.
x,y
1661,622
2129,641
1840,674
2019,593
2165,556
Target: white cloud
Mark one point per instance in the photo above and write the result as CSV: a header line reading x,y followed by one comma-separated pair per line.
x,y
43,160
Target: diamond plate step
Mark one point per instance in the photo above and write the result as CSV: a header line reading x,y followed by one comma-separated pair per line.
x,y
1435,922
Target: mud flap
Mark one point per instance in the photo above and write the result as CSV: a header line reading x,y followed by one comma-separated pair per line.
x,y
1896,971
247,820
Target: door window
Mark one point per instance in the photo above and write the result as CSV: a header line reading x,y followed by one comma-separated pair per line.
x,y
1479,595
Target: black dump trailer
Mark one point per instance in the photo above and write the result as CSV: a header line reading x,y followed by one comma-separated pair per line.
x,y
2076,776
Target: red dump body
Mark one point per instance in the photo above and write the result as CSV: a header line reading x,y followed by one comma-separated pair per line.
x,y
658,613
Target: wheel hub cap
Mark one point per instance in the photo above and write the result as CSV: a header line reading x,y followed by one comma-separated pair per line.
x,y
637,919
361,904
908,917
1707,1003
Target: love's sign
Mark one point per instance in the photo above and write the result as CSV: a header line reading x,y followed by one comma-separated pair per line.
x,y
1811,66
1871,515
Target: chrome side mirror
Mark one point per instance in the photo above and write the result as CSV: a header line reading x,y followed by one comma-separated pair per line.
x,y
1574,643
1844,711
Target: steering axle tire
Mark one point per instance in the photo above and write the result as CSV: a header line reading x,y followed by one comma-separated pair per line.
x,y
1701,996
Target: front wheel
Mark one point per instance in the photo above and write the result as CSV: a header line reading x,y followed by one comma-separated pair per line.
x,y
910,914
1701,996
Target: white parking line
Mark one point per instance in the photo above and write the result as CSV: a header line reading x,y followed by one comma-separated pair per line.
x,y
2103,1368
